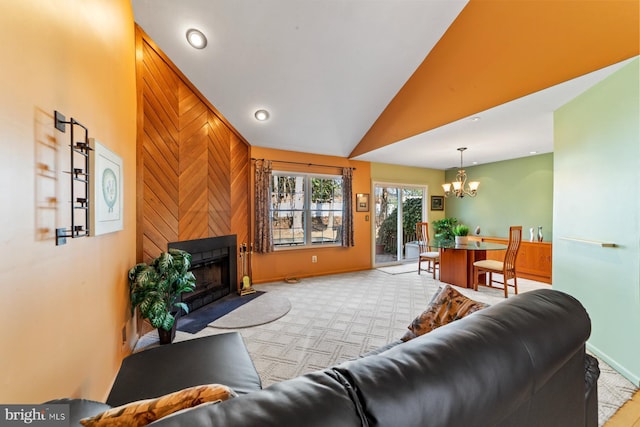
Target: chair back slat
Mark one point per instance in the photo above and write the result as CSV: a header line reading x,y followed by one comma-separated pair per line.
x,y
515,237
422,234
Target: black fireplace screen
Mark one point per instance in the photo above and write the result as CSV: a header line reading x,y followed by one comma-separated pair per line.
x,y
214,264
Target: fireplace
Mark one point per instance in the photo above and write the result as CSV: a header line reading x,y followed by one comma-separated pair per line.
x,y
214,264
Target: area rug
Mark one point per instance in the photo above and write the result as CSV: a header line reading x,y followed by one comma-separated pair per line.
x,y
400,269
262,310
199,319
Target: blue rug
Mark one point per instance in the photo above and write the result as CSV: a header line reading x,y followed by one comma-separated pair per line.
x,y
200,318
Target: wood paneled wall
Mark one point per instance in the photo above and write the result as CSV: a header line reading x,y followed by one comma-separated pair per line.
x,y
193,166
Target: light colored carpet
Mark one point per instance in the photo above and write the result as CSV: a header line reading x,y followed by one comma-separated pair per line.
x,y
264,309
337,318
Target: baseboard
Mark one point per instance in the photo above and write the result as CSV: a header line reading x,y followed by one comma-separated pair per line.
x,y
635,379
258,281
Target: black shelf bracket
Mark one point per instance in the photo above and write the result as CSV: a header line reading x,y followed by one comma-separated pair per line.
x,y
79,179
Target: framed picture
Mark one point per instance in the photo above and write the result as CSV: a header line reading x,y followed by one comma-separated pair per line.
x,y
362,202
106,195
437,203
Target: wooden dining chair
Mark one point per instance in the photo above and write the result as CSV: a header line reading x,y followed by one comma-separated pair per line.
x,y
425,253
507,267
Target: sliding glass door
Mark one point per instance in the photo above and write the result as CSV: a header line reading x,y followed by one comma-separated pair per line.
x,y
397,209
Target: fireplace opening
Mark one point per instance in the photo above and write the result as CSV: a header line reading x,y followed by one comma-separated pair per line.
x,y
214,264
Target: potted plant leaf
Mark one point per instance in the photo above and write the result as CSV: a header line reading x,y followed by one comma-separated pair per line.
x,y
443,229
155,289
461,232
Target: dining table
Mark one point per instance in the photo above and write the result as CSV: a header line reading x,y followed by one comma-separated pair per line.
x,y
456,260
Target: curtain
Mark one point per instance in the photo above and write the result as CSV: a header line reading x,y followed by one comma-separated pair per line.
x,y
347,208
263,238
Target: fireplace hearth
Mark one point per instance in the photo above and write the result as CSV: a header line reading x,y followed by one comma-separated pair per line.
x,y
214,264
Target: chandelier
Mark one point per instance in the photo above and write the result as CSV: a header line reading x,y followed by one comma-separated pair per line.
x,y
459,189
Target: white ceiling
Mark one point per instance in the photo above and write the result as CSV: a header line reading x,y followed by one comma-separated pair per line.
x,y
326,69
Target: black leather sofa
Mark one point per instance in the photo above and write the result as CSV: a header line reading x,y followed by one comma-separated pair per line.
x,y
521,363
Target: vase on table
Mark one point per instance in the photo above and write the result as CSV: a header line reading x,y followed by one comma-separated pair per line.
x,y
540,233
532,235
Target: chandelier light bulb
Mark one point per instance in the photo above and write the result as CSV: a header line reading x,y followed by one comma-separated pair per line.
x,y
459,185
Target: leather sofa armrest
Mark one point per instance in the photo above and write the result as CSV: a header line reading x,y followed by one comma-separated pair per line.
x,y
591,375
216,359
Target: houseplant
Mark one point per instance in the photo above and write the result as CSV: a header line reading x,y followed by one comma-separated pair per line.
x,y
461,232
443,229
156,288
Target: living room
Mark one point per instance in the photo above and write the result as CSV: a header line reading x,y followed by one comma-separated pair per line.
x,y
80,58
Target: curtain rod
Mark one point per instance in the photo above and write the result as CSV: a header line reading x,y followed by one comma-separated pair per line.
x,y
303,163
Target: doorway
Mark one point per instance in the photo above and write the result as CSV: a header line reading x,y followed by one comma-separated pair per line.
x,y
398,208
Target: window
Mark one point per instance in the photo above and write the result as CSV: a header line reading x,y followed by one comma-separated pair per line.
x,y
306,210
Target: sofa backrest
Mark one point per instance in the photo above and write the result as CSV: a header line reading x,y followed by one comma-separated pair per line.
x,y
317,399
519,362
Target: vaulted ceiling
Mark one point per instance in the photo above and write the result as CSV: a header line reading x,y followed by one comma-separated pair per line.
x,y
396,81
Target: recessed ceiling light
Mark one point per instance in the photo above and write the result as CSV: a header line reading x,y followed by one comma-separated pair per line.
x,y
261,115
475,119
196,38
533,152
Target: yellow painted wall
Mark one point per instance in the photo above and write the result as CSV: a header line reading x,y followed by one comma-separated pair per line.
x,y
62,308
395,174
297,263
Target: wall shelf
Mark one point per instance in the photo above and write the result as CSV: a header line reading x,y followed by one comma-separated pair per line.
x,y
78,173
590,242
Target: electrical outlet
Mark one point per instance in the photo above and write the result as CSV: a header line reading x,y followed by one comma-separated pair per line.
x,y
314,259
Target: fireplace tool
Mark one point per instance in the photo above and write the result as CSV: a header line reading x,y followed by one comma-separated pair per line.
x,y
245,288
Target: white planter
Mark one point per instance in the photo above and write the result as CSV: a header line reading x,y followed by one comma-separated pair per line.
x,y
461,240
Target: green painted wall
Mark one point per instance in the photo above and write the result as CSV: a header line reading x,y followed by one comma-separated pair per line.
x,y
597,197
511,192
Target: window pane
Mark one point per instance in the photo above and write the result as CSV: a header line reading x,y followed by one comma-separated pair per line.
x,y
300,219
287,204
287,231
326,210
326,227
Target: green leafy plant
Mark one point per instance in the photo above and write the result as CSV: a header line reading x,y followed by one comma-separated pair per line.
x,y
461,230
443,229
388,232
155,288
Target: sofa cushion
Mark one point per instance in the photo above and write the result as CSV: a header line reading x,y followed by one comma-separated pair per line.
x,y
143,412
446,306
